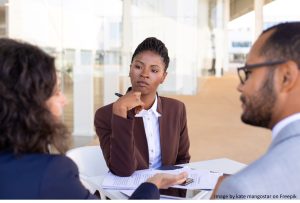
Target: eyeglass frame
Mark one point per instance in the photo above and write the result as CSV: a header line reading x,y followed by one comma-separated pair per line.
x,y
246,68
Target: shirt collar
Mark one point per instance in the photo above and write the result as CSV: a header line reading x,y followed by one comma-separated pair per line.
x,y
153,110
284,122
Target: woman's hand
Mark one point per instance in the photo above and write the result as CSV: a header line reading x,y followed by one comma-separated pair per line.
x,y
127,102
165,180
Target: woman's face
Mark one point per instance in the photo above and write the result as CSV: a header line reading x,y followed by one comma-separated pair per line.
x,y
147,72
57,102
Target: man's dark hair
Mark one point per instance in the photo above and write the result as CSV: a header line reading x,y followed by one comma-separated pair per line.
x,y
155,45
27,80
283,43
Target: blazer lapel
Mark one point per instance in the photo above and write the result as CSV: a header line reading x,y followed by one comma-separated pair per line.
x,y
161,121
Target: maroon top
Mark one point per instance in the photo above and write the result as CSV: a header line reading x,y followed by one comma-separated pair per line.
x,y
124,143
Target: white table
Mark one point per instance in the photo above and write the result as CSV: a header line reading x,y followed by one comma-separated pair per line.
x,y
223,165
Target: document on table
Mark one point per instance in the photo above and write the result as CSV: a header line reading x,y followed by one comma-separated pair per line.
x,y
112,181
203,179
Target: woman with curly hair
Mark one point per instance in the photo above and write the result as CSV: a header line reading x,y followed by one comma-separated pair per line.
x,y
31,105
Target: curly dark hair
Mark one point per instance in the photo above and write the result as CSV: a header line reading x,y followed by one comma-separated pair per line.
x,y
155,45
27,80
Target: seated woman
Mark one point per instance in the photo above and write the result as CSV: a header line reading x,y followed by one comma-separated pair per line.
x,y
141,129
30,127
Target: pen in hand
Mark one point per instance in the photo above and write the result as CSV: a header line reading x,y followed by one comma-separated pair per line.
x,y
187,181
137,108
118,94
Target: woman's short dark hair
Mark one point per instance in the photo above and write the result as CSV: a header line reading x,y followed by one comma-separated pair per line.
x,y
155,45
27,80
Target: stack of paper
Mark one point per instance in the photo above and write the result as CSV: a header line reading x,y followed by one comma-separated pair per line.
x,y
203,179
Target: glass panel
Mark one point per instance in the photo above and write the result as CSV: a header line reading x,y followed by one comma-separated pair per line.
x,y
3,19
93,41
175,23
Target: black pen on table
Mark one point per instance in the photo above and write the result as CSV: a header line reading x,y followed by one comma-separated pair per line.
x,y
118,94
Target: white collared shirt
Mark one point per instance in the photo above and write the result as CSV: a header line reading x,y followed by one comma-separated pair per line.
x,y
284,122
151,126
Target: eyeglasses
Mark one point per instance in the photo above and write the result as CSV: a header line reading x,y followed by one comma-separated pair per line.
x,y
243,72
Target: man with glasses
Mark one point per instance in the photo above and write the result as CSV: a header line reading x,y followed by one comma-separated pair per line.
x,y
270,96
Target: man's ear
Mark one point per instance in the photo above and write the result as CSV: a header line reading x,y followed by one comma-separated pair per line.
x,y
289,74
163,77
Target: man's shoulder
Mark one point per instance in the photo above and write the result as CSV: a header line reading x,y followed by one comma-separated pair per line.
x,y
274,172
290,134
242,183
